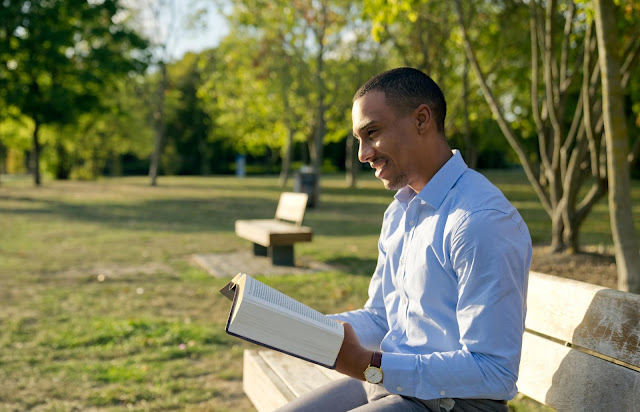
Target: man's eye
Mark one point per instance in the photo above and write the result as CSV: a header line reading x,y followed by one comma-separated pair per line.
x,y
370,132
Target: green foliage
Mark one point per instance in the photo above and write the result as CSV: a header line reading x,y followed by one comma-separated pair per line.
x,y
257,87
412,28
58,56
81,150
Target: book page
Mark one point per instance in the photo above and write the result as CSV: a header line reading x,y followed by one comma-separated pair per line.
x,y
268,294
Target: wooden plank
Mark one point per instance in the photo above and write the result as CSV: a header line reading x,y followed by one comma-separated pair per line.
x,y
252,230
596,318
268,232
292,206
299,376
332,374
570,380
261,385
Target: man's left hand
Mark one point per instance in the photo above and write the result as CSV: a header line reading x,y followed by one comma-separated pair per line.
x,y
353,359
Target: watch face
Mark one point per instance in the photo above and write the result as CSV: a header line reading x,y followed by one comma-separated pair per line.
x,y
373,374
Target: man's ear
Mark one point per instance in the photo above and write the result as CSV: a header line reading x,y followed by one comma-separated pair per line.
x,y
423,118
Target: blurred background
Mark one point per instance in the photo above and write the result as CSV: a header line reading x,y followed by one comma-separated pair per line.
x,y
195,87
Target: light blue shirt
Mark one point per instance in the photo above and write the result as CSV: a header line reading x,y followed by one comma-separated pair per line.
x,y
447,301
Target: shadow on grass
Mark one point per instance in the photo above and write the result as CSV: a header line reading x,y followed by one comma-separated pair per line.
x,y
354,265
200,214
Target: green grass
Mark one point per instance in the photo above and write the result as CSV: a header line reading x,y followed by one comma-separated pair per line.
x,y
102,310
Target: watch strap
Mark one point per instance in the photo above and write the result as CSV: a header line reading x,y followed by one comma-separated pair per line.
x,y
376,359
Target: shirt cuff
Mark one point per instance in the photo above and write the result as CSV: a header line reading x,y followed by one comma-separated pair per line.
x,y
398,373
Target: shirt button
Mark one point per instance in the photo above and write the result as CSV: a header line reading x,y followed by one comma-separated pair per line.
x,y
402,260
393,338
411,222
399,388
442,393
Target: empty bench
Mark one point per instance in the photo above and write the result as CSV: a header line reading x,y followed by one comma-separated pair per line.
x,y
276,237
581,353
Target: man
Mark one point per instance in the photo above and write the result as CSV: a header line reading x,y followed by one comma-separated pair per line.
x,y
442,328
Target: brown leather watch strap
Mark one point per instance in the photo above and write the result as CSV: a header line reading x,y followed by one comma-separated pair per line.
x,y
376,359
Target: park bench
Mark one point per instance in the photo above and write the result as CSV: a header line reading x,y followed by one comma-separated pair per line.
x,y
581,353
276,237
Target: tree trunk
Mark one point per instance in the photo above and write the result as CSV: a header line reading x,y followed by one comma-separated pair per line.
x,y
557,230
622,226
351,161
491,100
159,125
63,168
285,170
35,155
319,130
470,152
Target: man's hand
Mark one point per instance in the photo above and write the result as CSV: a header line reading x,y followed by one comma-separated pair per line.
x,y
353,359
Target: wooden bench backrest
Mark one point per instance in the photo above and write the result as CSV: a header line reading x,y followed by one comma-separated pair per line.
x,y
581,349
291,207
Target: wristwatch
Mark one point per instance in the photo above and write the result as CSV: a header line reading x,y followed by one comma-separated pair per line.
x,y
373,373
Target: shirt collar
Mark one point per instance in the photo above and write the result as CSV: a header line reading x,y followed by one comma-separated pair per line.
x,y
440,184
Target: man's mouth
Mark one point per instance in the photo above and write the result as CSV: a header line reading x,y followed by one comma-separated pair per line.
x,y
379,165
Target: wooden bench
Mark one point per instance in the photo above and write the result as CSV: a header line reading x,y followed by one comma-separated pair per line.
x,y
581,352
275,237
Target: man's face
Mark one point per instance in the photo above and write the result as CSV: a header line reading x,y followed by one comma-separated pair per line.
x,y
386,140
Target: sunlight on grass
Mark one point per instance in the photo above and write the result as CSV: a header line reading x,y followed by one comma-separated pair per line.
x,y
103,309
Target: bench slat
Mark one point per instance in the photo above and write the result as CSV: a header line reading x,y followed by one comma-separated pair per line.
x,y
267,232
292,206
261,385
599,319
570,380
332,374
299,376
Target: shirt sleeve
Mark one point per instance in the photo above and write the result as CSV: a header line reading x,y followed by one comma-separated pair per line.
x,y
490,254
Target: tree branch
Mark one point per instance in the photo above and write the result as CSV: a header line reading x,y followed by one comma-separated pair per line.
x,y
564,54
535,75
495,109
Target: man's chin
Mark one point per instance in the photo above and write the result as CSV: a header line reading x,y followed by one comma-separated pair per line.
x,y
395,185
395,182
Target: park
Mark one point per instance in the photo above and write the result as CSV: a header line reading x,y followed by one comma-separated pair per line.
x,y
126,165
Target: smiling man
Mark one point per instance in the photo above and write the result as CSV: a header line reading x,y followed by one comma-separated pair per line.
x,y
442,328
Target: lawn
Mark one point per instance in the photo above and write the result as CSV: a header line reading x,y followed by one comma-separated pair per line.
x,y
103,310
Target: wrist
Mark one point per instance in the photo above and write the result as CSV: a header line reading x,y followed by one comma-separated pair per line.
x,y
373,373
362,362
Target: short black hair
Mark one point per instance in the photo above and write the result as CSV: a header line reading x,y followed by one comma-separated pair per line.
x,y
406,88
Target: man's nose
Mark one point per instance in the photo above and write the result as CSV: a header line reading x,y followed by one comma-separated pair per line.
x,y
365,151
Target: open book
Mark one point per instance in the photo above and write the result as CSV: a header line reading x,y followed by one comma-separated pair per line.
x,y
267,317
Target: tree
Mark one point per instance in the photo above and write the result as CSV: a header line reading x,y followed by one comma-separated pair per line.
x,y
410,29
188,124
352,64
59,56
273,65
567,115
622,226
245,92
162,22
84,148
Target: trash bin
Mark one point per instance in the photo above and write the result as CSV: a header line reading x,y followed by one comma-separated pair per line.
x,y
305,182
